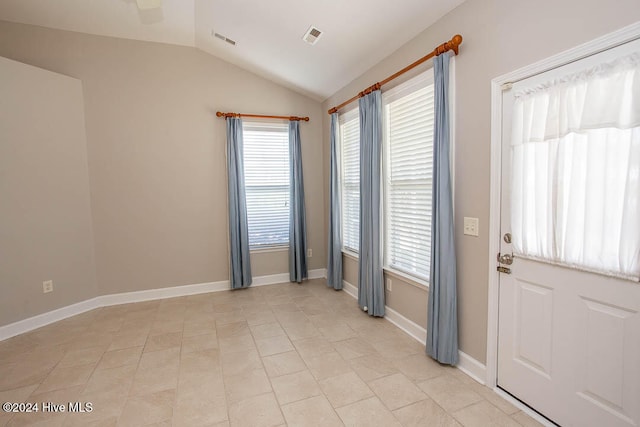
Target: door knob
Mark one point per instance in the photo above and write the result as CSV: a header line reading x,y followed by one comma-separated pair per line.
x,y
506,259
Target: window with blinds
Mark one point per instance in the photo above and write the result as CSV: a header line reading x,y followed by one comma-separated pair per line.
x,y
408,113
350,180
266,174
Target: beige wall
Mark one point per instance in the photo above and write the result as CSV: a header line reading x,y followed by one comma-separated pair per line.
x,y
499,36
156,153
45,213
407,297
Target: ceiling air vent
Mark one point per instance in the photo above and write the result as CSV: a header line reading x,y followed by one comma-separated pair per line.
x,y
312,35
148,4
223,38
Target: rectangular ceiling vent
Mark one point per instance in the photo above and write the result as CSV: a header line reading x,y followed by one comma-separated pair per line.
x,y
223,38
148,4
312,35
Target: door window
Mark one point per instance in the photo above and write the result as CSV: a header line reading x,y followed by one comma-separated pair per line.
x,y
575,189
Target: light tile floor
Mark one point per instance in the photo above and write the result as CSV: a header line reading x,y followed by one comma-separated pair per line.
x,y
298,355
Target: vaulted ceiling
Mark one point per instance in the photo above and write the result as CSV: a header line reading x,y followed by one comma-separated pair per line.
x,y
268,34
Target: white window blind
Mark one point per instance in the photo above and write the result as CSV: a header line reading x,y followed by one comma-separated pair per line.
x,y
350,180
408,117
266,172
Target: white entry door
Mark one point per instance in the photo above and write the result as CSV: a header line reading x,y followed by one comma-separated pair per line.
x,y
569,310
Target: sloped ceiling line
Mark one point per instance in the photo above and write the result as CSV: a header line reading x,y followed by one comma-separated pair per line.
x,y
356,34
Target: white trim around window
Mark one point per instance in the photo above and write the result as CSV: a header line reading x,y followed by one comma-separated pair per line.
x,y
408,114
266,172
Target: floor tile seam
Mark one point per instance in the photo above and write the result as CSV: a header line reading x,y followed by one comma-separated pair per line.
x,y
63,388
520,412
38,383
224,385
388,375
453,414
264,369
132,382
178,389
497,407
387,406
33,393
313,397
367,398
153,422
417,382
273,389
375,379
482,399
427,398
308,369
353,402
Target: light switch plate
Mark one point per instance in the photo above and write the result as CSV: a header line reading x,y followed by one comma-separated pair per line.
x,y
471,226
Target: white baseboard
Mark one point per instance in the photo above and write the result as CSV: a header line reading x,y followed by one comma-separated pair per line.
x,y
44,319
162,293
319,273
411,328
466,363
272,279
350,289
472,367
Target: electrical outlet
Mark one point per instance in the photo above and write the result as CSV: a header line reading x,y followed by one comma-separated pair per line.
x,y
389,284
47,286
309,253
471,226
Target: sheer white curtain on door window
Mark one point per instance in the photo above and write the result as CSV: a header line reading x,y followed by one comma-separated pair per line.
x,y
576,170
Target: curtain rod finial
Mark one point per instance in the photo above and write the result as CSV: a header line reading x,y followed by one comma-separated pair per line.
x,y
219,114
455,42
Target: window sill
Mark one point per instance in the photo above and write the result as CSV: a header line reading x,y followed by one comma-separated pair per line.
x,y
350,254
411,280
268,249
406,278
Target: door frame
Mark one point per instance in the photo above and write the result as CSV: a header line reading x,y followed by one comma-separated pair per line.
x,y
608,41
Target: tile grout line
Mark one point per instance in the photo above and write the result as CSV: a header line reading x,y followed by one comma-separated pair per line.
x,y
177,393
306,365
308,368
264,369
137,366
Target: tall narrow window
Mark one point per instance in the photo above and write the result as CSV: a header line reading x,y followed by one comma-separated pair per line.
x,y
408,143
266,169
350,180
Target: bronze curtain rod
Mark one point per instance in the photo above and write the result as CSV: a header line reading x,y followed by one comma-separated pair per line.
x,y
444,47
260,116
